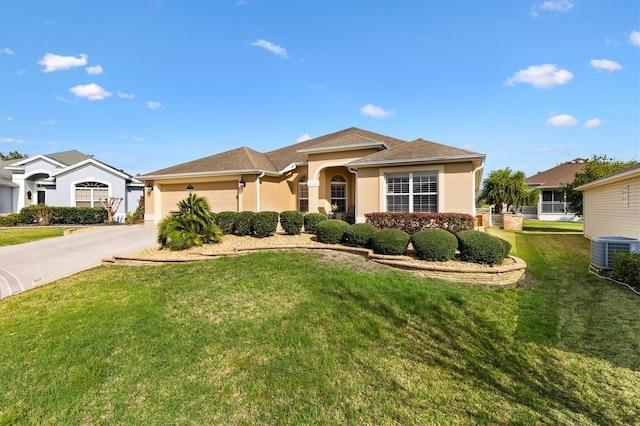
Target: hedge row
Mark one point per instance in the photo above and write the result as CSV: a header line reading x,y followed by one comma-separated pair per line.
x,y
429,244
264,224
49,215
415,222
626,268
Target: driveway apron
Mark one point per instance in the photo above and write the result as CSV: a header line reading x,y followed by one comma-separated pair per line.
x,y
29,265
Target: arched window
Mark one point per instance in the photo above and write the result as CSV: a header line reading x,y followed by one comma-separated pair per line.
x,y
89,194
303,194
339,193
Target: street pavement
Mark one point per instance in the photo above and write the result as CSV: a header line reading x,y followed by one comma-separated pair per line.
x,y
29,265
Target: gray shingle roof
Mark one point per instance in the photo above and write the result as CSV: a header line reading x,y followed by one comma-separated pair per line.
x,y
5,175
68,158
557,176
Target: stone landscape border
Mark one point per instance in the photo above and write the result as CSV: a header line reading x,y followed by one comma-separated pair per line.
x,y
504,276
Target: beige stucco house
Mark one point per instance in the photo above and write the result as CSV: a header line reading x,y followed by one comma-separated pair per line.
x,y
355,170
611,205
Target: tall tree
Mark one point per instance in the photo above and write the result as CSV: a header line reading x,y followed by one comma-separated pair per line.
x,y
12,155
598,166
505,188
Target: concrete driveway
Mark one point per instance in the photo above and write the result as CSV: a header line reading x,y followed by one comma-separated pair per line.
x,y
25,266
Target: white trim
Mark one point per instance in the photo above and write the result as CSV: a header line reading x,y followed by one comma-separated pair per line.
x,y
95,163
340,148
34,158
410,161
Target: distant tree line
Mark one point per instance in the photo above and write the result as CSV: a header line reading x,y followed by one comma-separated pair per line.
x,y
12,155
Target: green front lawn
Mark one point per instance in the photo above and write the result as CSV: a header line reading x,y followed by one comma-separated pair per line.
x,y
28,234
298,338
551,226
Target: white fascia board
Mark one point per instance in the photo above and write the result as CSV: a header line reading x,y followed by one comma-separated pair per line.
x,y
37,157
410,161
343,148
201,174
95,163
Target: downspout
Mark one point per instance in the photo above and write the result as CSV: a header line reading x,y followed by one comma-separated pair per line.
x,y
258,191
355,195
473,193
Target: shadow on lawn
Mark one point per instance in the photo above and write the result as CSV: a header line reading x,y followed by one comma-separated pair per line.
x,y
476,352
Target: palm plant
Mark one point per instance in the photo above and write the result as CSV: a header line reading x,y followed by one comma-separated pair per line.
x,y
192,225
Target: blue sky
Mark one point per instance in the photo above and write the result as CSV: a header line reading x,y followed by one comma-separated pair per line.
x,y
147,84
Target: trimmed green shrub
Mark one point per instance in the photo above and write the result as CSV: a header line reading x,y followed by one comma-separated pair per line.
x,y
242,223
359,234
390,241
291,222
331,231
311,221
480,247
626,268
12,219
434,244
225,221
265,224
415,222
48,215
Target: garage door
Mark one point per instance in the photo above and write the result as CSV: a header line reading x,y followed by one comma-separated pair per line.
x,y
222,196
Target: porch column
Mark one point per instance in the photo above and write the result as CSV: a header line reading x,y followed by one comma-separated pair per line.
x,y
22,193
314,194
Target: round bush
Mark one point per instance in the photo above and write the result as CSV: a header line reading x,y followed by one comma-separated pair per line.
x,y
264,224
359,234
390,241
311,221
225,221
480,247
434,244
331,231
242,223
12,219
291,222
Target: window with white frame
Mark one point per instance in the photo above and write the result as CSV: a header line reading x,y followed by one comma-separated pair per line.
x,y
625,196
303,195
412,192
339,193
89,194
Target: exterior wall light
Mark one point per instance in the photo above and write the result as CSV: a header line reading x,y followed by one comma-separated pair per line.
x,y
242,183
190,188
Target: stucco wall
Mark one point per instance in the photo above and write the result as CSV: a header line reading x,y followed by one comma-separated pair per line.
x,y
604,214
6,200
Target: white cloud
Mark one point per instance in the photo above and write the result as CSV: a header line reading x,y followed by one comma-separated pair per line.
x,y
303,138
634,38
9,118
605,64
6,51
611,42
375,111
545,75
53,62
52,142
11,140
92,91
562,120
138,139
49,122
273,48
61,99
559,6
94,70
125,95
593,123
153,105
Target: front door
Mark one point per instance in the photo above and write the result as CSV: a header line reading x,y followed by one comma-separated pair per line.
x,y
41,199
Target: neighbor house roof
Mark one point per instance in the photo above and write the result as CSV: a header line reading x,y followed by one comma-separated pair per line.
x,y
5,175
557,176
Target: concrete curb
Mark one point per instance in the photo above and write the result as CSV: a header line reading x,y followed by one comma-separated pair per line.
x,y
503,276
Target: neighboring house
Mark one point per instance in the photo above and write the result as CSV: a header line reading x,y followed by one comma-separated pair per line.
x,y
611,205
356,170
68,178
552,204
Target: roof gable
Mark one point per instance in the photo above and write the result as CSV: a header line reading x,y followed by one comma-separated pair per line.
x,y
557,176
419,150
351,138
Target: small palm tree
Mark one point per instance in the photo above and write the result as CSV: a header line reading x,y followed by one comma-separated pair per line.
x,y
192,225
